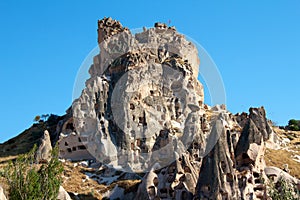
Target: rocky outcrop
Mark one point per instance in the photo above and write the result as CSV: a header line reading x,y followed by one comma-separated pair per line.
x,y
154,73
218,179
142,111
43,153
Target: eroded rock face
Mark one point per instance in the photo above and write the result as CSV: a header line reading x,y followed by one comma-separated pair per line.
x,y
217,179
43,153
142,98
142,110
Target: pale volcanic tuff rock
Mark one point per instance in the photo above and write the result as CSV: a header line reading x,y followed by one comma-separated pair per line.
x,y
43,153
142,95
142,109
2,196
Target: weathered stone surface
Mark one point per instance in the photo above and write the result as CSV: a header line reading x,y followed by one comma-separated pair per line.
x,y
277,173
43,153
62,194
2,196
142,109
154,73
217,179
72,146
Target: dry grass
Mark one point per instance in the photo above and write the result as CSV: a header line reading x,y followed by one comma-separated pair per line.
x,y
75,181
4,160
3,163
283,156
280,157
128,185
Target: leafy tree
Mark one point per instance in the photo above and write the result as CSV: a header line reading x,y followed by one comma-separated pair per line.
x,y
28,180
37,118
294,125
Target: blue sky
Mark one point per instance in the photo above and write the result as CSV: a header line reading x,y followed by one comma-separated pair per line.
x,y
255,44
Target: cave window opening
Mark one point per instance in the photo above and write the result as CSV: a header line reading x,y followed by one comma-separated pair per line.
x,y
138,142
81,147
155,181
229,177
70,126
132,106
158,108
256,175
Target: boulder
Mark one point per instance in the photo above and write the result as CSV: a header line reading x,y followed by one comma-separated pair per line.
x,y
63,194
142,111
277,173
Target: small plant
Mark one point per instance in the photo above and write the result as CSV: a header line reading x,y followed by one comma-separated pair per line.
x,y
282,190
294,125
28,180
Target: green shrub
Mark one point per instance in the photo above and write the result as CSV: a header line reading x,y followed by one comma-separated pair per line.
x,y
294,125
28,180
282,190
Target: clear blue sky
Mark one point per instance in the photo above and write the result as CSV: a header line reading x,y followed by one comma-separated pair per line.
x,y
255,44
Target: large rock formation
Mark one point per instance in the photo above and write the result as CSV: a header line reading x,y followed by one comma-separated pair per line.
x,y
142,111
143,96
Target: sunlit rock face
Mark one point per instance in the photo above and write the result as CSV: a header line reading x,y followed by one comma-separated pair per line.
x,y
143,103
142,111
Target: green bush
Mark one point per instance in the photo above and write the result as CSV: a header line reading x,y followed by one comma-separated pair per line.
x,y
294,125
28,180
282,190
